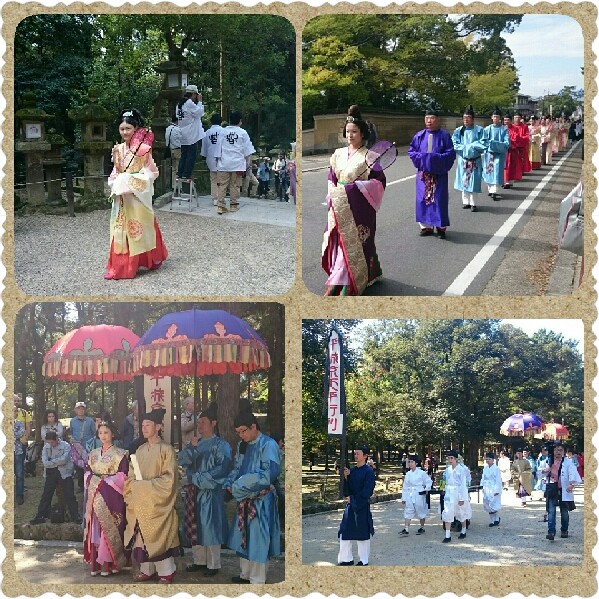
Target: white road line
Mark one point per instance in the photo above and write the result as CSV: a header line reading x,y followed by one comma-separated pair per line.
x,y
401,180
465,278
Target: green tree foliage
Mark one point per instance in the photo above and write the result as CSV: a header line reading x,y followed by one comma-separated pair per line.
x,y
39,325
565,102
422,384
492,89
61,57
398,62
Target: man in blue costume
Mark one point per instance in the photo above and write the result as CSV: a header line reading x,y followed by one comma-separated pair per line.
x,y
255,533
432,153
357,524
469,146
496,138
207,459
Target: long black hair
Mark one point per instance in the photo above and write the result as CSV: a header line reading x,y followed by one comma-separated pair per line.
x,y
355,116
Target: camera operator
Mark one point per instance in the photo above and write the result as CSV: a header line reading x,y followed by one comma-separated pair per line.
x,y
561,478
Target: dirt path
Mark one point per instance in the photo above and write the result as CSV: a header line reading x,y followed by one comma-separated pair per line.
x,y
520,538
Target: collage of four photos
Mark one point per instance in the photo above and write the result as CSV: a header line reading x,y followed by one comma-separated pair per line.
x,y
191,190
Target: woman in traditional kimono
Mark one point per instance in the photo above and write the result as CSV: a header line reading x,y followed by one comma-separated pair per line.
x,y
355,194
105,474
135,239
534,152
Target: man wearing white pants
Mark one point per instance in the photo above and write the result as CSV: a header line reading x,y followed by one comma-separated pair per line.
x,y
357,524
492,489
413,495
457,501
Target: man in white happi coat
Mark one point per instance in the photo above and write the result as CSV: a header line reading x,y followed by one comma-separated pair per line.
x,y
457,500
210,150
416,483
492,489
236,150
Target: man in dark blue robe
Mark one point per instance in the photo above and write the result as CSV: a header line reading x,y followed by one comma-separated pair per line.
x,y
357,524
432,153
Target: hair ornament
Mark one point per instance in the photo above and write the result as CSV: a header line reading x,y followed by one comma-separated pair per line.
x,y
350,119
128,113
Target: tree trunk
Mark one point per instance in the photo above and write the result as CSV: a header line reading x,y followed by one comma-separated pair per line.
x,y
276,373
229,386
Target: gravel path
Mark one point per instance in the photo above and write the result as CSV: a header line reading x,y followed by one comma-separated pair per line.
x,y
59,255
520,538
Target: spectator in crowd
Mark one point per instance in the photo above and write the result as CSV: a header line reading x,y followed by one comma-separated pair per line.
x,y
131,426
23,416
210,150
50,423
279,167
187,421
56,457
172,137
82,430
264,177
189,116
19,456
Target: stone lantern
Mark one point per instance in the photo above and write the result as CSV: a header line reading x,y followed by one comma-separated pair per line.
x,y
32,142
53,163
93,119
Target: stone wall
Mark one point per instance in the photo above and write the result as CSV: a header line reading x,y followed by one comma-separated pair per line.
x,y
400,128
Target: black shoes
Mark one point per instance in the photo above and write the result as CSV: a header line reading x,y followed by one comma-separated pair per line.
x,y
462,535
361,564
465,206
420,531
447,540
440,233
564,535
346,563
550,537
210,572
239,580
426,232
495,197
37,520
473,209
195,567
403,533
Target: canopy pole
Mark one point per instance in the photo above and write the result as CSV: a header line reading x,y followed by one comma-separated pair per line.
x,y
102,392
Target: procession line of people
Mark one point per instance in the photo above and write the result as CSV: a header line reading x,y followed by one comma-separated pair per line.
x,y
497,155
557,477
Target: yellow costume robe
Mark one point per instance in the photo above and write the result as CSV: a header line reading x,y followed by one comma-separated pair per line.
x,y
151,501
522,475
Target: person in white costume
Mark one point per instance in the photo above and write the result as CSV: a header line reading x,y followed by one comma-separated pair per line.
x,y
211,149
236,150
413,495
504,465
457,500
492,489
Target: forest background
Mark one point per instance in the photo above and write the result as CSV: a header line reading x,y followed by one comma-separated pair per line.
x,y
423,385
239,62
400,63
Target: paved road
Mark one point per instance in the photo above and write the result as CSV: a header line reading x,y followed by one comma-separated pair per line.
x,y
414,265
61,563
519,539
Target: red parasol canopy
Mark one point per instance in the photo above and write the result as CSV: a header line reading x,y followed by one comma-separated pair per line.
x,y
554,431
92,353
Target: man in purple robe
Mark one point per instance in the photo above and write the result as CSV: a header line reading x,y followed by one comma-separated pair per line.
x,y
432,153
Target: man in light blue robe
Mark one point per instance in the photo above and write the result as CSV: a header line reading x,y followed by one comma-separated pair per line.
x,y
208,460
255,532
497,141
469,146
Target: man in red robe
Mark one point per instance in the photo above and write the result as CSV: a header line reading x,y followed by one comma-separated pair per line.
x,y
525,133
513,163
